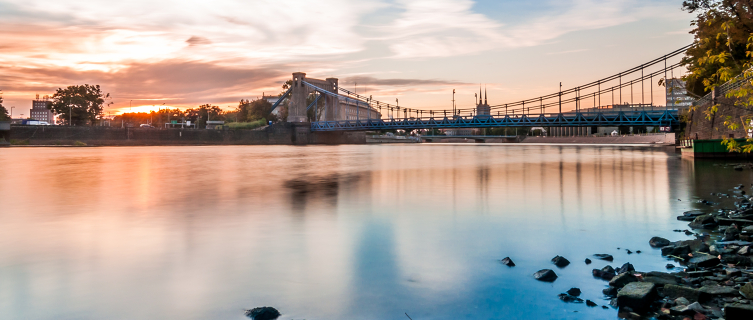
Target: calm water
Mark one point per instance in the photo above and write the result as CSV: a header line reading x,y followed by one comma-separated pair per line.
x,y
330,232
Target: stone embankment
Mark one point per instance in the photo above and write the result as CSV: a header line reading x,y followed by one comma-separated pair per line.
x,y
653,139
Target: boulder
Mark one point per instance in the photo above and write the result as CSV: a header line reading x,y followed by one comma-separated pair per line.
x,y
705,221
747,291
263,313
546,275
610,291
658,242
740,261
627,267
744,251
603,275
622,279
738,311
681,301
703,261
733,272
560,261
588,261
590,303
689,309
678,251
660,278
719,249
674,291
568,298
604,256
636,295
574,292
508,262
717,290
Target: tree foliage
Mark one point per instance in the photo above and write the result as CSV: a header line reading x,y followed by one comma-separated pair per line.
x,y
80,105
3,112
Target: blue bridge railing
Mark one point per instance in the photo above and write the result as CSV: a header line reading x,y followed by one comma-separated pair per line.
x,y
658,118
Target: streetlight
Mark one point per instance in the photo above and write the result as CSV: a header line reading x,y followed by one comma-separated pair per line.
x,y
11,112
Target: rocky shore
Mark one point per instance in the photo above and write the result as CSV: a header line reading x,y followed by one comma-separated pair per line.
x,y
709,277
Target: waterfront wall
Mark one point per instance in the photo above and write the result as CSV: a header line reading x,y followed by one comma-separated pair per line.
x,y
700,127
278,134
664,139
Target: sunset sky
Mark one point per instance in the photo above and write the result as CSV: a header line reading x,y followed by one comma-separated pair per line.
x,y
191,52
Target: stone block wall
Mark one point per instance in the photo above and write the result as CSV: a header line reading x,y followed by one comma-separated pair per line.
x,y
699,127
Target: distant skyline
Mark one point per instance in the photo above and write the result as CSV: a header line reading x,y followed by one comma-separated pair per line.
x,y
185,54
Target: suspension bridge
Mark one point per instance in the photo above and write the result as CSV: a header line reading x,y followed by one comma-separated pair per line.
x,y
584,105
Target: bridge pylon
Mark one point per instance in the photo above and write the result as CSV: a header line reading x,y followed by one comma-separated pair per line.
x,y
299,93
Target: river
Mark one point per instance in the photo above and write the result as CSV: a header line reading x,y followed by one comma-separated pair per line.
x,y
332,232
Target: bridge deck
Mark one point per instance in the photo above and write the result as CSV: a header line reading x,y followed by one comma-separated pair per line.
x,y
658,118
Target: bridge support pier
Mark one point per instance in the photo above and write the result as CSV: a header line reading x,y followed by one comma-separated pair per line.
x,y
297,105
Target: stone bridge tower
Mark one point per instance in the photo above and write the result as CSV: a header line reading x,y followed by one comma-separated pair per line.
x,y
297,106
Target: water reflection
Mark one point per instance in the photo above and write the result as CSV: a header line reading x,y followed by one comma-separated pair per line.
x,y
328,232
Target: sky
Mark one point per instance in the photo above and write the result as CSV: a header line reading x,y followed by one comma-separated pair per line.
x,y
191,52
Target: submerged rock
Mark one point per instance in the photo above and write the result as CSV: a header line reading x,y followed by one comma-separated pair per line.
x,y
604,256
508,262
560,261
546,275
263,313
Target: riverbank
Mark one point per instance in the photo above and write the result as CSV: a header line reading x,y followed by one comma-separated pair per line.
x,y
665,139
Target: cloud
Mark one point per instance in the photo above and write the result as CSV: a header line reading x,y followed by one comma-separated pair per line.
x,y
196,41
369,80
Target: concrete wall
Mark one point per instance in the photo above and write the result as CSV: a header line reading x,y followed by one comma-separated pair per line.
x,y
285,134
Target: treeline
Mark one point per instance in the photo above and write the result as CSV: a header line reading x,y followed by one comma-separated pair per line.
x,y
246,111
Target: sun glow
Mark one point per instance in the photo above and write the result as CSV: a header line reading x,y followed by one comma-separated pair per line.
x,y
142,108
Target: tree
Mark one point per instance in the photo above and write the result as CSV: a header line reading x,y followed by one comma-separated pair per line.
x,y
722,31
260,109
80,105
3,112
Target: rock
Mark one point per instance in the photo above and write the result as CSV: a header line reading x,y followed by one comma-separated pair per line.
x,y
560,261
678,251
744,251
568,298
608,269
658,242
263,313
588,261
674,291
574,292
733,272
747,290
739,261
660,278
604,307
690,309
738,168
738,311
717,290
622,279
669,266
590,303
628,251
545,275
610,291
717,250
705,221
604,256
731,233
703,261
638,251
603,275
681,301
627,267
508,262
636,295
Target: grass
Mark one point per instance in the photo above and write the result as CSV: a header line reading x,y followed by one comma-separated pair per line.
x,y
79,144
247,125
19,142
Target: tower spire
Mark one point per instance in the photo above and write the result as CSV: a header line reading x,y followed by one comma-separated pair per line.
x,y
485,101
479,93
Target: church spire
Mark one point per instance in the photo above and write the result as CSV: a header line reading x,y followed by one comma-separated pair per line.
x,y
479,94
485,101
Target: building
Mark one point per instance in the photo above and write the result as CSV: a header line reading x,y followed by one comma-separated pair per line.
x,y
677,95
272,100
39,110
483,109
